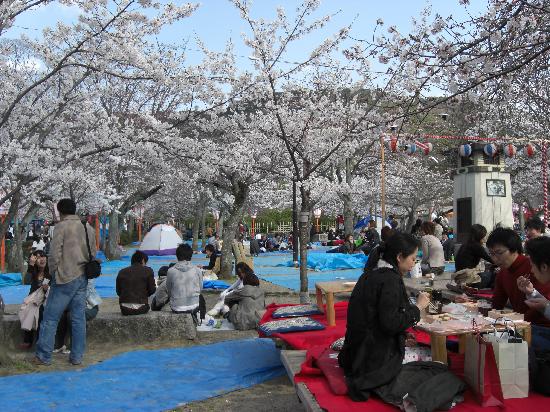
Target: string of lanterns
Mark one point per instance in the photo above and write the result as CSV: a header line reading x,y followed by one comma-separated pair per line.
x,y
464,150
491,150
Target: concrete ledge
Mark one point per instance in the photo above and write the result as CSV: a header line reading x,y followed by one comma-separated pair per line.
x,y
109,327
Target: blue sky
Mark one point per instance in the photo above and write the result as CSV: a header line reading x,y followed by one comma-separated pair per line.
x,y
216,21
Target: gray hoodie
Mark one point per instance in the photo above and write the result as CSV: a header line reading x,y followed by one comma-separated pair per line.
x,y
184,284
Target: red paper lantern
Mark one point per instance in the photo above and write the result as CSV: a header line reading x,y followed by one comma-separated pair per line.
x,y
510,150
529,150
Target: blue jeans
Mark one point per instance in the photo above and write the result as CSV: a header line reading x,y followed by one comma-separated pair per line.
x,y
540,338
71,296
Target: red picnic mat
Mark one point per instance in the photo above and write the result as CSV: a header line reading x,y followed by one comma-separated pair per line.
x,y
305,340
318,385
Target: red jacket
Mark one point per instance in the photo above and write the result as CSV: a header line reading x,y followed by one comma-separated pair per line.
x,y
506,288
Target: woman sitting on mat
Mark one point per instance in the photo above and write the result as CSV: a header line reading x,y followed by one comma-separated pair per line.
x,y
245,305
379,313
219,307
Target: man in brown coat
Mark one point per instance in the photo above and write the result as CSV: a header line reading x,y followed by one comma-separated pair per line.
x,y
134,285
68,256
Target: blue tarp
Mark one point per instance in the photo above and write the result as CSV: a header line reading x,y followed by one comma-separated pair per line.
x,y
329,261
10,279
147,380
105,284
293,281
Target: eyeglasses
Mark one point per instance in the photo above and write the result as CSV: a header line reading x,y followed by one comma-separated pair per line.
x,y
498,252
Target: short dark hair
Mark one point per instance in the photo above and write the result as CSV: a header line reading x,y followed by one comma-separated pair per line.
x,y
386,232
184,252
428,227
139,257
537,249
535,223
211,248
505,237
66,207
477,233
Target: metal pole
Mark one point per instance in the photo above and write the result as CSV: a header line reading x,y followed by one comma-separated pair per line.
x,y
382,181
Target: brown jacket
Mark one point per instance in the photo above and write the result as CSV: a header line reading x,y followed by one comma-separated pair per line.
x,y
68,251
135,284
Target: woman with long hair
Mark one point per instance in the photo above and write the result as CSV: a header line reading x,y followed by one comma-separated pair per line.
x,y
379,313
38,275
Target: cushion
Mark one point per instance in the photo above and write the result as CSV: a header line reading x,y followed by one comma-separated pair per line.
x,y
300,324
296,310
328,363
338,344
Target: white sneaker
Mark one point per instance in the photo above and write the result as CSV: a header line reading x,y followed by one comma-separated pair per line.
x,y
66,351
60,350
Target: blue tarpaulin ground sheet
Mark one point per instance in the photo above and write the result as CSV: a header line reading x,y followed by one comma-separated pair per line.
x,y
293,281
10,279
147,380
105,284
328,261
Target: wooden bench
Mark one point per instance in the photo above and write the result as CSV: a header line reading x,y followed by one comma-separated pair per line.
x,y
292,360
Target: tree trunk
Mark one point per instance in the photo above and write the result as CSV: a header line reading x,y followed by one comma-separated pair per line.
x,y
348,210
348,214
196,227
19,233
111,251
220,224
295,229
236,212
104,232
131,223
12,212
203,227
304,228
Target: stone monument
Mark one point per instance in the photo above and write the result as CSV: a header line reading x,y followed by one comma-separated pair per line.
x,y
482,191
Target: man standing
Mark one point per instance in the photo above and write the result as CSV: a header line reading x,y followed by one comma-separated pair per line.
x,y
184,283
68,256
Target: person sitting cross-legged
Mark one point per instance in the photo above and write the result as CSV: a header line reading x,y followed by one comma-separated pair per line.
x,y
184,284
134,285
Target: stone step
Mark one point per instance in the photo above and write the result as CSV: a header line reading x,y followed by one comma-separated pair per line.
x,y
110,328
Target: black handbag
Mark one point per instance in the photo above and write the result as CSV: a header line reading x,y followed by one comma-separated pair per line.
x,y
541,372
92,268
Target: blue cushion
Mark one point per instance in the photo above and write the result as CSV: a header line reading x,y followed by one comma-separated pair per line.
x,y
296,310
301,324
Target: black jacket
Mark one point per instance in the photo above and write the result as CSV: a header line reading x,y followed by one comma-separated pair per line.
x,y
469,255
135,284
379,313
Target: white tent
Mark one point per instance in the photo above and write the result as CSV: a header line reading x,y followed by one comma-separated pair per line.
x,y
161,240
